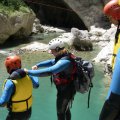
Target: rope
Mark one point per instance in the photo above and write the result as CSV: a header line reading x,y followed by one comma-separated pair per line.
x,y
48,5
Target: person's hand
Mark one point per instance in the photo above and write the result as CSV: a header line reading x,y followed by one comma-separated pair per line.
x,y
26,70
34,67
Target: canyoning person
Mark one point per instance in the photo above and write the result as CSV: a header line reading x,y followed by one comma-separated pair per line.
x,y
62,71
111,107
112,11
17,90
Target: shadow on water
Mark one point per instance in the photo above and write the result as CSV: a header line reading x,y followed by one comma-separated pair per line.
x,y
12,42
40,37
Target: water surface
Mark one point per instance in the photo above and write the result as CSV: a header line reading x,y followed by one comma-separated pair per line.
x,y
44,103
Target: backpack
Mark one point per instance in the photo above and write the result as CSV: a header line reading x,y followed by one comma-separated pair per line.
x,y
83,75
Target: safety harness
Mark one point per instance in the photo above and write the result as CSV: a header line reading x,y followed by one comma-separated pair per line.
x,y
67,75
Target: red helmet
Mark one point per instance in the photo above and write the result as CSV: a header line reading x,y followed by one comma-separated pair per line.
x,y
12,63
112,9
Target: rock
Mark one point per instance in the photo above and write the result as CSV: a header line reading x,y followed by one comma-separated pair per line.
x,y
37,27
82,45
18,24
51,29
35,46
81,40
105,54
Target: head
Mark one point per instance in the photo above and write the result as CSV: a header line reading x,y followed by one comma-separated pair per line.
x,y
12,63
57,47
112,10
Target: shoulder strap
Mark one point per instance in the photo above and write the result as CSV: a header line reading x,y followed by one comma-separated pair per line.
x,y
117,32
91,85
70,57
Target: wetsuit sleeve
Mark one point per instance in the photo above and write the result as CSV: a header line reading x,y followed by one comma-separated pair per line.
x,y
35,81
46,63
7,92
58,67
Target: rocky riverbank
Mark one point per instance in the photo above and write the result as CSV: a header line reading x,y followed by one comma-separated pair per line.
x,y
104,38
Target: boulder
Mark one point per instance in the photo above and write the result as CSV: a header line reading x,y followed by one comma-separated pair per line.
x,y
81,40
18,24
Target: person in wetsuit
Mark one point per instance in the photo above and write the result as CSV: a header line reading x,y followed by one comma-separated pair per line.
x,y
17,90
111,107
62,71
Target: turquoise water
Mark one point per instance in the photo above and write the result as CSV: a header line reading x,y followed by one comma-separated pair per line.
x,y
45,96
44,103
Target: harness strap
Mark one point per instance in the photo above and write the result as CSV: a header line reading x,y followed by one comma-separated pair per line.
x,y
26,100
91,85
67,79
114,55
89,97
117,32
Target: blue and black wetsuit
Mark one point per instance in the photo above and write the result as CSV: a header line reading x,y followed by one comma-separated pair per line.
x,y
111,107
63,76
8,91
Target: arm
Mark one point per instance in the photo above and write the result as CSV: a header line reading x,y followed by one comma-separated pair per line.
x,y
35,81
7,92
58,67
46,63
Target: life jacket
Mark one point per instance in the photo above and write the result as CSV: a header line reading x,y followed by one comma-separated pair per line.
x,y
67,75
116,45
118,2
21,100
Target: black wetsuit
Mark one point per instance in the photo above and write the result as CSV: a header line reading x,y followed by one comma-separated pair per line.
x,y
19,115
111,107
65,96
65,92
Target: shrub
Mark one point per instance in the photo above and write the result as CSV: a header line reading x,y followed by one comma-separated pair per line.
x,y
15,4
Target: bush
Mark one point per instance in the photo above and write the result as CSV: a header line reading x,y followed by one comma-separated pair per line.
x,y
16,4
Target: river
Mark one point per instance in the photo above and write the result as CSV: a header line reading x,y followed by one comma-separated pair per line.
x,y
45,96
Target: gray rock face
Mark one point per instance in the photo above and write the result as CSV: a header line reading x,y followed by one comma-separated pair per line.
x,y
19,24
90,11
56,13
71,13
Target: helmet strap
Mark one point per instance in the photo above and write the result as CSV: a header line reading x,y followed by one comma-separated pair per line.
x,y
117,32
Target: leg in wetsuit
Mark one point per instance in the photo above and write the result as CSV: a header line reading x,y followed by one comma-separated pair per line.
x,y
111,108
65,96
19,115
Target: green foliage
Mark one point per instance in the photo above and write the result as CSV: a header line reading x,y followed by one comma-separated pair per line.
x,y
24,9
13,4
